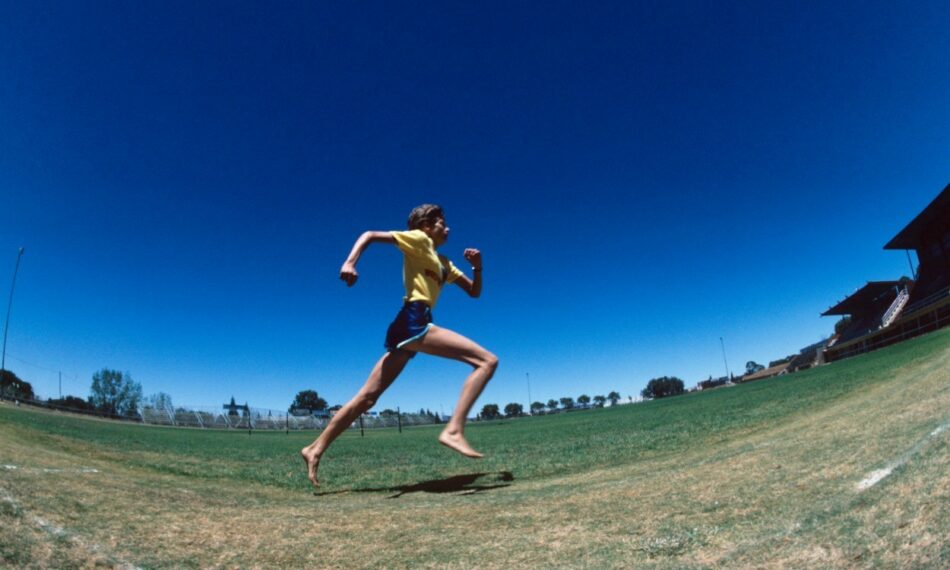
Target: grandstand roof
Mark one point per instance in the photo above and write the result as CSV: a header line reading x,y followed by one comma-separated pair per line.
x,y
863,298
767,372
911,237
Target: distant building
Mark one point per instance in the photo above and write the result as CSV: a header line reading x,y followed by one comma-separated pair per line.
x,y
233,408
305,412
711,383
811,355
886,312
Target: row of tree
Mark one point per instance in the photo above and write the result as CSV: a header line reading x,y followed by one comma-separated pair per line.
x,y
309,402
116,394
512,410
112,393
656,388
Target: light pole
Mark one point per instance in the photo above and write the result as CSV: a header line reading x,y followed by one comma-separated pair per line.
x,y
527,378
6,326
724,357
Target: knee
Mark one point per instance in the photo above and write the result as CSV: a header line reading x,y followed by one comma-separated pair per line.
x,y
366,401
490,362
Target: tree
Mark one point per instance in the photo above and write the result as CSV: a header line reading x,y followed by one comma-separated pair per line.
x,y
490,412
663,387
552,405
115,393
614,397
514,410
751,367
159,401
309,401
13,387
599,401
567,403
583,400
537,407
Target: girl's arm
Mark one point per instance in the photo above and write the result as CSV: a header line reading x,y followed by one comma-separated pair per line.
x,y
472,286
348,272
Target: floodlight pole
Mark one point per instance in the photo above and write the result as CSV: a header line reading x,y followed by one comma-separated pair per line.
x,y
6,326
527,378
724,356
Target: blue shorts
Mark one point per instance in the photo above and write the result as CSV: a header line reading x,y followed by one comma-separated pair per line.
x,y
411,324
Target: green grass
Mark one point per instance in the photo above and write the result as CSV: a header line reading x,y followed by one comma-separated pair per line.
x,y
762,474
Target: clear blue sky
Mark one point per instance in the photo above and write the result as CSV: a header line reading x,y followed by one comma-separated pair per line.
x,y
643,178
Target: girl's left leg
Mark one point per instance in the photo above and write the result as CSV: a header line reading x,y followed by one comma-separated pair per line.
x,y
445,343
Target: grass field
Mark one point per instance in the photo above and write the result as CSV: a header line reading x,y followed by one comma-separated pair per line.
x,y
841,466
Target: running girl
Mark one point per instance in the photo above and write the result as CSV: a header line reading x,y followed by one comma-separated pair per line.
x,y
424,273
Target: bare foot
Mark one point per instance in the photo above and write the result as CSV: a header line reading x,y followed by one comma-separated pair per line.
x,y
313,463
456,442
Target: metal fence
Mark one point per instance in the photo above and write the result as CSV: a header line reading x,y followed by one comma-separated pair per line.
x,y
261,418
251,419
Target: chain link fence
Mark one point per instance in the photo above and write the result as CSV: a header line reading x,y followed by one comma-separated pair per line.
x,y
249,418
262,418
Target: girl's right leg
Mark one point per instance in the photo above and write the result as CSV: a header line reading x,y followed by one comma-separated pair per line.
x,y
384,373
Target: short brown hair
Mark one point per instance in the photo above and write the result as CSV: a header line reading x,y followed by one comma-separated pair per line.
x,y
424,214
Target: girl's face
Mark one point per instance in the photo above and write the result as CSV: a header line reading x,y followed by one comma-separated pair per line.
x,y
437,231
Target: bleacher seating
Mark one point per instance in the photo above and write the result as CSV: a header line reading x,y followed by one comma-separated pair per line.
x,y
933,283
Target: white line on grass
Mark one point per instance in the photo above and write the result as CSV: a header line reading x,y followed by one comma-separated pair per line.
x,y
50,470
55,531
875,477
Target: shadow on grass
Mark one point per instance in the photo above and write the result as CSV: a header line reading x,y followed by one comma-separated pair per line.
x,y
462,484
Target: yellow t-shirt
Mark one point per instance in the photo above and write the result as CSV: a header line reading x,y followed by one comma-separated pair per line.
x,y
424,272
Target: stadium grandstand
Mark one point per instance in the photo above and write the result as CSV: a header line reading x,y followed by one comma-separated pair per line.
x,y
886,312
776,370
870,307
811,355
